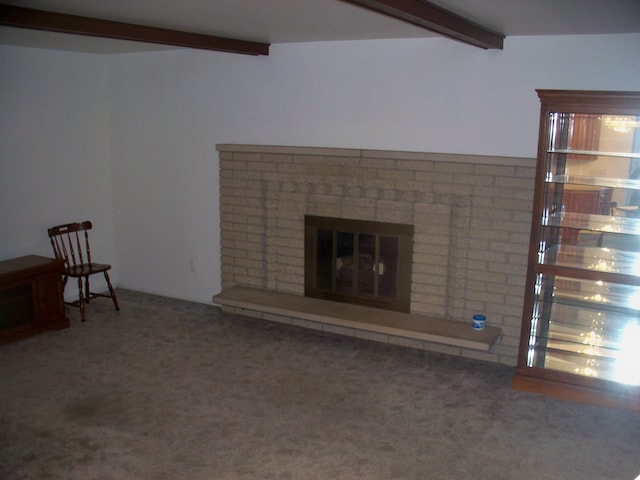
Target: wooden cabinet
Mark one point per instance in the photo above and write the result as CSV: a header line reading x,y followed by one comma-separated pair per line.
x,y
581,320
31,297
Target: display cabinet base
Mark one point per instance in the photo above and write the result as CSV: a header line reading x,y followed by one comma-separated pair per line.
x,y
578,393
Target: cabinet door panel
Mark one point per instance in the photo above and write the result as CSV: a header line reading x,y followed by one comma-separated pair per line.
x,y
50,296
16,306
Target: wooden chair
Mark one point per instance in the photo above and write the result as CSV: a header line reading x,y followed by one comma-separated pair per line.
x,y
70,243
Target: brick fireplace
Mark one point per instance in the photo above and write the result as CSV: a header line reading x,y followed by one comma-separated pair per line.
x,y
470,215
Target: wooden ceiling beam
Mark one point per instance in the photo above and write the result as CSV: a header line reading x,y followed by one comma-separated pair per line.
x,y
435,19
20,17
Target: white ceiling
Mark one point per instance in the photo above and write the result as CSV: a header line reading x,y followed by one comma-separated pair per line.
x,y
287,21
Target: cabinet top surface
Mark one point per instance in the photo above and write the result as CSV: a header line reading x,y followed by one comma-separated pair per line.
x,y
27,263
590,100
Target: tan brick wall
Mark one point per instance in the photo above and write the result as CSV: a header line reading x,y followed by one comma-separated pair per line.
x,y
471,216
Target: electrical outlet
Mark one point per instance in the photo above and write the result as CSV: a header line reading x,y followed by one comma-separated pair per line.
x,y
194,265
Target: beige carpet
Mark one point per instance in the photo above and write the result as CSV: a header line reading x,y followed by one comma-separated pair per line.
x,y
169,389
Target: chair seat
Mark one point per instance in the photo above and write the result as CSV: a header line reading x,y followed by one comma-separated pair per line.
x,y
86,269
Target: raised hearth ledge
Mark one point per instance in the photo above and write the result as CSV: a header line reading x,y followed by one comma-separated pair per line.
x,y
386,154
287,308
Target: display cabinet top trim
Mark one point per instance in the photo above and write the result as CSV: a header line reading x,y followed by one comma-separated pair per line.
x,y
593,101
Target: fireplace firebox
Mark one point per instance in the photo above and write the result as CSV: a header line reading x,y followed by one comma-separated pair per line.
x,y
358,261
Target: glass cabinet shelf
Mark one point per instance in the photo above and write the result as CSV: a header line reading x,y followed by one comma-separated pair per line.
x,y
570,151
594,181
603,295
593,222
610,263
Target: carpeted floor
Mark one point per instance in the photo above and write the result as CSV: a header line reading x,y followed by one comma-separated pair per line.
x,y
167,389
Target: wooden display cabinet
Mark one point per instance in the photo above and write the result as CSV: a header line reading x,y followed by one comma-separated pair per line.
x,y
31,297
581,320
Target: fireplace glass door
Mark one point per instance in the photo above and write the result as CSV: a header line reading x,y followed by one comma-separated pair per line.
x,y
360,262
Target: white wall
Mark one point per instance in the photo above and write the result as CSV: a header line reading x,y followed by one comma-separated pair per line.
x,y
54,150
169,109
431,95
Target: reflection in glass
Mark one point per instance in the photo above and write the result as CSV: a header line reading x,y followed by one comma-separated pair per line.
x,y
324,259
345,261
366,269
603,260
388,266
621,124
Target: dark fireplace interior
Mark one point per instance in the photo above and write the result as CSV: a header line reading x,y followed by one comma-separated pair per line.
x,y
361,262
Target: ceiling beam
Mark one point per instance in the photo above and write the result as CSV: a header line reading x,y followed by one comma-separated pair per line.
x,y
435,19
63,23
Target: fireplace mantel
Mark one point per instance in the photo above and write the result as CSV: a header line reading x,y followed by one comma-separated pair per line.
x,y
381,154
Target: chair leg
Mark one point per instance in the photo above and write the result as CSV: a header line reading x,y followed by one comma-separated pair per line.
x,y
82,318
87,289
111,291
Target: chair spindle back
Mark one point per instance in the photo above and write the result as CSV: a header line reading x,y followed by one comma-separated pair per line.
x,y
70,242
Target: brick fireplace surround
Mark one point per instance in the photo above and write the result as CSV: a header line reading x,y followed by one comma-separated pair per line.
x,y
471,216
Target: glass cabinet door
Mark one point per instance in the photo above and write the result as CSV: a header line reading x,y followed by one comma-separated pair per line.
x,y
582,306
